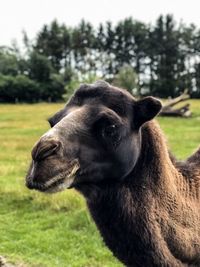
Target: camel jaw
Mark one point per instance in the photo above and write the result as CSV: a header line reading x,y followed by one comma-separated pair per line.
x,y
63,180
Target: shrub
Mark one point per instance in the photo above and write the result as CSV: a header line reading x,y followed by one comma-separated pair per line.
x,y
126,78
18,89
40,67
23,89
54,89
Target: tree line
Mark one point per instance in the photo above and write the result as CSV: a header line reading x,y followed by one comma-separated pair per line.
x,y
160,59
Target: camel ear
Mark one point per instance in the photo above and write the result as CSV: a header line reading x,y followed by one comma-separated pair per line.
x,y
145,110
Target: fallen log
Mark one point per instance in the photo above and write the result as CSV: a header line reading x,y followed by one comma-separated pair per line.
x,y
183,111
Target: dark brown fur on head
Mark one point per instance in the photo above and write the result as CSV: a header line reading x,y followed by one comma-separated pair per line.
x,y
145,204
100,129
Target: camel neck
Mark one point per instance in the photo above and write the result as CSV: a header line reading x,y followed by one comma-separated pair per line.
x,y
155,166
136,214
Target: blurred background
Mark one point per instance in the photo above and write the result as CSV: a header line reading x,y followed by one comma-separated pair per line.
x,y
47,48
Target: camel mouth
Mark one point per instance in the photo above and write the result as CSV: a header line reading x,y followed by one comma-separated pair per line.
x,y
60,182
63,180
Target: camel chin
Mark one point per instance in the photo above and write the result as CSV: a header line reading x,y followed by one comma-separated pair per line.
x,y
65,184
63,180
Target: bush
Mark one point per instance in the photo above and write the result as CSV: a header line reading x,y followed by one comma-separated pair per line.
x,y
76,80
8,64
23,89
18,89
53,90
26,90
126,78
40,67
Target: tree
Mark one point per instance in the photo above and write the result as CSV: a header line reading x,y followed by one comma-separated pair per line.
x,y
196,92
126,78
162,58
67,46
54,90
8,62
40,67
164,52
49,42
83,45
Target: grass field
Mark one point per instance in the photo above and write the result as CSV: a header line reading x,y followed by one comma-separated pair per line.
x,y
56,230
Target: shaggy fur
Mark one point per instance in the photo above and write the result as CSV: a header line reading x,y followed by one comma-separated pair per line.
x,y
144,202
153,217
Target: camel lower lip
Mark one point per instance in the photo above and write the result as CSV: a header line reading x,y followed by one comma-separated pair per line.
x,y
57,183
61,184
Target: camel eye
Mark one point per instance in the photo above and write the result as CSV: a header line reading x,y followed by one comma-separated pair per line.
x,y
110,131
107,132
111,135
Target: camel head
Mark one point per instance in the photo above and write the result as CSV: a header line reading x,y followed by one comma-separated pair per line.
x,y
95,137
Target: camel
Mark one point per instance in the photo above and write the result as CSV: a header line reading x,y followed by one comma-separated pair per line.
x,y
145,203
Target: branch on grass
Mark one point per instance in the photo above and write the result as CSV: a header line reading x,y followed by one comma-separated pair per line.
x,y
183,111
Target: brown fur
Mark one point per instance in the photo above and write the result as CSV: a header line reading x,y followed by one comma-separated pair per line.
x,y
145,203
155,220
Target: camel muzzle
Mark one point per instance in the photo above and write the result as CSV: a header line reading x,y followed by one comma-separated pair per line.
x,y
50,171
62,179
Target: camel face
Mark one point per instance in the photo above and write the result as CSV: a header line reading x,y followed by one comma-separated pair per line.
x,y
96,137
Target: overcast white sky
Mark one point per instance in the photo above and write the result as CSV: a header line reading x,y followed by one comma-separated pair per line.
x,y
31,15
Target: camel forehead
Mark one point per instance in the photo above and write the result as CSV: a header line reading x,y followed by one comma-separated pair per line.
x,y
95,97
102,91
103,95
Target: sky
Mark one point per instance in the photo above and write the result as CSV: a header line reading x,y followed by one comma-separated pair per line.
x,y
31,15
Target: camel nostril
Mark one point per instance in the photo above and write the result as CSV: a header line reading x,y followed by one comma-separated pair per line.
x,y
29,184
44,149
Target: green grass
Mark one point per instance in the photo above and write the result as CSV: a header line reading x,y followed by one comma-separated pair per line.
x,y
56,230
